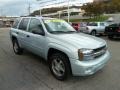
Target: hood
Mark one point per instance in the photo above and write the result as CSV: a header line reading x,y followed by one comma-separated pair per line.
x,y
80,40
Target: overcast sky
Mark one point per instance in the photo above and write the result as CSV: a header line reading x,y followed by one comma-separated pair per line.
x,y
20,7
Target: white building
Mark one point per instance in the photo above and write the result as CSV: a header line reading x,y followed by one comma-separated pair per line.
x,y
64,13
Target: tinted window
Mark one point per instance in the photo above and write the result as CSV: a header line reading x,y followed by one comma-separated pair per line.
x,y
23,24
74,24
35,25
16,22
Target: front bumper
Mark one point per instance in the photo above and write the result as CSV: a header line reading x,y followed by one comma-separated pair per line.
x,y
85,68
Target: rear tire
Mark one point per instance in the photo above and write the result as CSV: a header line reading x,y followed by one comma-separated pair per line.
x,y
93,33
59,66
16,47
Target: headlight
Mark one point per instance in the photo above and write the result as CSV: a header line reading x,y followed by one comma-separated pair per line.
x,y
85,54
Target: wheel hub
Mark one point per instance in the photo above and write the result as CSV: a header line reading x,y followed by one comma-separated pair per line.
x,y
58,67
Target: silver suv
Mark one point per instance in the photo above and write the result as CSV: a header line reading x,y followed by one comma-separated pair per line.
x,y
67,52
94,28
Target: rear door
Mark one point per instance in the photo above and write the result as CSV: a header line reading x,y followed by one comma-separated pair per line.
x,y
22,32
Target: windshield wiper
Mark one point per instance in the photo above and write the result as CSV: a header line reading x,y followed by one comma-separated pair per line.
x,y
62,31
71,31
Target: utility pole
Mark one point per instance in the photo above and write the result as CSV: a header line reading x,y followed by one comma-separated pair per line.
x,y
1,11
40,12
29,8
40,9
68,11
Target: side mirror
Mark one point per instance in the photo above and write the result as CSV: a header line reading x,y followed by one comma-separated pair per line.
x,y
38,32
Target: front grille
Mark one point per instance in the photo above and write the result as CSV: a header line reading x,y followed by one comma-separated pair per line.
x,y
100,51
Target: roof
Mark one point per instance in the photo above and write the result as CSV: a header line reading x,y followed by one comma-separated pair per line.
x,y
38,17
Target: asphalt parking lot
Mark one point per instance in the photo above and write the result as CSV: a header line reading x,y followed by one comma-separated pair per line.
x,y
30,72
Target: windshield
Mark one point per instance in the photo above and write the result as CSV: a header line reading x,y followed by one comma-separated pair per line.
x,y
58,26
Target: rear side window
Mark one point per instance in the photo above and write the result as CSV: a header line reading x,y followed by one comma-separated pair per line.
x,y
23,24
16,22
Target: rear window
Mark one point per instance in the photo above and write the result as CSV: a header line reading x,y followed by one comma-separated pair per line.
x,y
75,24
23,24
16,22
114,25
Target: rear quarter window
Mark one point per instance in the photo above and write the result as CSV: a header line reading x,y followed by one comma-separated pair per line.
x,y
16,22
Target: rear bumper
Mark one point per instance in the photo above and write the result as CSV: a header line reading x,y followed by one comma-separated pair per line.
x,y
112,33
85,31
86,68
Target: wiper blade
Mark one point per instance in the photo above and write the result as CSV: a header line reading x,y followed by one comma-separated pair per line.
x,y
62,31
71,31
57,31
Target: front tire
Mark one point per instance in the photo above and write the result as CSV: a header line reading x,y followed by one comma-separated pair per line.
x,y
16,47
59,66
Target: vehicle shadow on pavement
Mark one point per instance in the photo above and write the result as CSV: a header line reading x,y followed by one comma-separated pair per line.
x,y
115,39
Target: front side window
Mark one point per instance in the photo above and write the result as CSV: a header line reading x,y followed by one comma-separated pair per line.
x,y
35,25
23,24
58,26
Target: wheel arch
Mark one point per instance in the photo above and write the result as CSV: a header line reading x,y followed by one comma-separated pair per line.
x,y
54,50
13,38
93,31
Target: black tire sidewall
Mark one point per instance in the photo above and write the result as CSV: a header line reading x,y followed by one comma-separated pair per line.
x,y
66,64
94,32
19,51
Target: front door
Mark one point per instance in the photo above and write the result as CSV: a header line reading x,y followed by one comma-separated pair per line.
x,y
36,37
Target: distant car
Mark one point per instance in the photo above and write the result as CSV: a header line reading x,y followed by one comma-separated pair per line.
x,y
113,30
79,26
76,26
95,28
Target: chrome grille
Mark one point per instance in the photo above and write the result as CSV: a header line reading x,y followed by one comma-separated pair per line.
x,y
100,51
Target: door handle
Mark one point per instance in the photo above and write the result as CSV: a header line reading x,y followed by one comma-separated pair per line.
x,y
17,32
28,36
